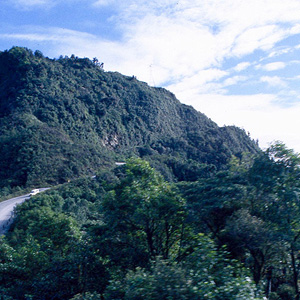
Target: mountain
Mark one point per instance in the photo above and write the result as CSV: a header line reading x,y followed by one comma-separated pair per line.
x,y
67,117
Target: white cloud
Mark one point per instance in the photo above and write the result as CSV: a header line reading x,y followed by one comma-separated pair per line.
x,y
195,35
263,37
241,66
65,36
27,4
295,78
202,82
66,42
38,4
242,12
32,2
273,66
257,114
278,52
178,39
183,45
101,3
273,81
295,29
182,49
234,80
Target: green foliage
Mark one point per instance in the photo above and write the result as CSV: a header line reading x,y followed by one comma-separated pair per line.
x,y
126,234
245,233
145,212
8,192
206,274
47,252
253,208
87,296
62,118
212,200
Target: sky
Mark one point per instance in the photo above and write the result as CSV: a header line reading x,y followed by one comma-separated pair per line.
x,y
236,61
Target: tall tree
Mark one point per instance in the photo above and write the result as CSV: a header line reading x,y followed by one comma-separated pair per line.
x,y
276,177
144,213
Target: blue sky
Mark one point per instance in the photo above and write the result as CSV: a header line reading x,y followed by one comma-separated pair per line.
x,y
237,61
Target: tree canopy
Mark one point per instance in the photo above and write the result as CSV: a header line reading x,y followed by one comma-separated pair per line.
x,y
125,234
192,211
64,118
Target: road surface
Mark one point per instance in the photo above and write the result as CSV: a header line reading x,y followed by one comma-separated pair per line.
x,y
7,209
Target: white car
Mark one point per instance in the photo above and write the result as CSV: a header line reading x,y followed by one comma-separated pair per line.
x,y
34,192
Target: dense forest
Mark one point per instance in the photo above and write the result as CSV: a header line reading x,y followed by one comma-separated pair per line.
x,y
67,117
130,234
194,211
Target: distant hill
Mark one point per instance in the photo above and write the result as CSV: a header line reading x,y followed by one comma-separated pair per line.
x,y
67,117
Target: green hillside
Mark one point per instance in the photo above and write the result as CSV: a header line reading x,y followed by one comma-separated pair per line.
x,y
197,212
67,117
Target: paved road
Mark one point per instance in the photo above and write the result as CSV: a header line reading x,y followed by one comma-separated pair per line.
x,y
6,211
7,208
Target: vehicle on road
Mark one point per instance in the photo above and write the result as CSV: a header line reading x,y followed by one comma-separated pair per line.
x,y
34,192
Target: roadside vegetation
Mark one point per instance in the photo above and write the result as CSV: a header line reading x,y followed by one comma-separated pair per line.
x,y
8,192
191,211
130,234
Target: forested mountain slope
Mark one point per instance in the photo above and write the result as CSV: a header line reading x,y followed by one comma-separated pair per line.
x,y
62,118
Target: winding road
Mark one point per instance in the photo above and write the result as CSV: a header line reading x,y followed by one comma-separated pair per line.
x,y
7,210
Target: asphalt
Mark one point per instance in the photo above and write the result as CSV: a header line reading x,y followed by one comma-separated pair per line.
x,y
7,210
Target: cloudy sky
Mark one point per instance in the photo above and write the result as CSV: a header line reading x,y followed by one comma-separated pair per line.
x,y
237,61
